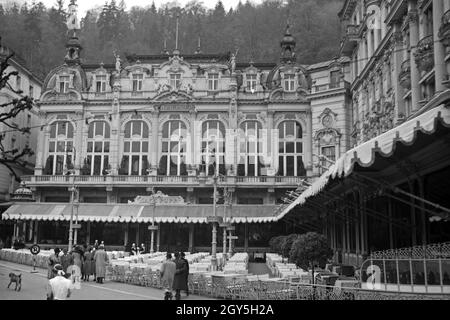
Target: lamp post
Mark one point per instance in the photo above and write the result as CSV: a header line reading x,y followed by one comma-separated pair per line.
x,y
153,228
214,227
71,226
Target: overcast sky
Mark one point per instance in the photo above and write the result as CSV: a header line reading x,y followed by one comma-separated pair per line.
x,y
84,5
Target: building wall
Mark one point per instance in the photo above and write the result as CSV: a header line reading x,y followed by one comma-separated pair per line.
x,y
30,86
399,60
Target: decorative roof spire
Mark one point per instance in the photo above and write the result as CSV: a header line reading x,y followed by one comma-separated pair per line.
x,y
73,45
176,52
199,50
288,46
164,50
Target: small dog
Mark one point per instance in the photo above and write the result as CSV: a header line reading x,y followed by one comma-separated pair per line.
x,y
168,295
17,279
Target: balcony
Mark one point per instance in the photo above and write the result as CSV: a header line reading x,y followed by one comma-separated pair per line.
x,y
330,86
170,181
405,75
350,40
424,55
444,30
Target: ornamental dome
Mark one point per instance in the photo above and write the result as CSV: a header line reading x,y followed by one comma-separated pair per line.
x,y
23,193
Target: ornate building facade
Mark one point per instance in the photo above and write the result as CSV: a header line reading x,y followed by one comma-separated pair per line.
x,y
173,121
399,53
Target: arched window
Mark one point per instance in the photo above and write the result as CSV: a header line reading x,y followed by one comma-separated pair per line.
x,y
60,148
251,153
173,159
135,149
213,148
290,149
97,160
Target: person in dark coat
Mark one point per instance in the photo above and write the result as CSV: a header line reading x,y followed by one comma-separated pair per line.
x,y
66,261
88,264
179,282
183,257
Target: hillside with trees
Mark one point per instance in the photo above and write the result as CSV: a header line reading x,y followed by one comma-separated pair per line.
x,y
38,34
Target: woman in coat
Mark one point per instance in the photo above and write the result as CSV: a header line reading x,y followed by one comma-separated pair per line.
x,y
88,264
52,261
179,282
101,260
77,255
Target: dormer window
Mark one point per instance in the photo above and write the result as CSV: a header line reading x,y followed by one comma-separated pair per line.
x,y
63,84
335,79
137,81
289,82
251,82
213,81
175,80
100,83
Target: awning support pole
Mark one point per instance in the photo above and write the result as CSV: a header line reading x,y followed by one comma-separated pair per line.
x,y
398,190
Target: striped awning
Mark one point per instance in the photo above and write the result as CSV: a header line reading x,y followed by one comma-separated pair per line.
x,y
139,213
365,153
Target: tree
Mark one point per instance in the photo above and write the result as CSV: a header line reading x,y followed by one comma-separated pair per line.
x,y
310,249
12,156
286,244
275,244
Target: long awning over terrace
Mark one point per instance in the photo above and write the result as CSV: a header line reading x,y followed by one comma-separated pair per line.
x,y
136,213
366,153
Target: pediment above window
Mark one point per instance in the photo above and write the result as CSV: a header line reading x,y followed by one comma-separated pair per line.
x,y
53,95
173,97
137,68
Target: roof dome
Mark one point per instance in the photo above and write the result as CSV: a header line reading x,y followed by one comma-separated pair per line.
x,y
288,39
23,193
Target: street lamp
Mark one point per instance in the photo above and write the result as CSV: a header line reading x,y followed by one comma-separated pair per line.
x,y
153,228
72,202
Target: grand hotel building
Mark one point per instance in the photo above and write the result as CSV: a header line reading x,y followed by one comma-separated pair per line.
x,y
360,143
169,123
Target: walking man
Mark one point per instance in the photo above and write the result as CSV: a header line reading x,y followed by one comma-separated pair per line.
x,y
167,275
186,274
180,275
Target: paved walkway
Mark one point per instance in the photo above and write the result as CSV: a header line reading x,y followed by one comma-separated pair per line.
x,y
34,284
258,268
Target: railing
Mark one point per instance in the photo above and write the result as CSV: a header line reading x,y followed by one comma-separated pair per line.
x,y
241,288
431,251
330,86
425,44
123,179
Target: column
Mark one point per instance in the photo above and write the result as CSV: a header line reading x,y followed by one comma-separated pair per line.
x,y
36,232
158,238
246,237
125,238
269,142
369,44
137,234
81,131
377,35
440,73
413,216
365,56
40,146
391,234
309,141
398,60
383,17
361,207
115,141
413,40
191,237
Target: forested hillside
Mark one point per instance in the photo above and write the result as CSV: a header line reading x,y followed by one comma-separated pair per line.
x,y
39,34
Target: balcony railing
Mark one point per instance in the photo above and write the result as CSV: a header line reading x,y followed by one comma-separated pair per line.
x,y
424,54
405,75
330,86
55,180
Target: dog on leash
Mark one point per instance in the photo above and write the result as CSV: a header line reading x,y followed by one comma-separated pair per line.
x,y
17,279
